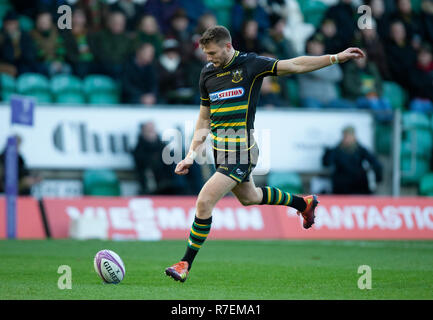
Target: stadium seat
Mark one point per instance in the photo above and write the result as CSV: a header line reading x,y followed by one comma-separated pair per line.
x,y
101,89
26,23
413,119
426,185
100,182
412,169
7,85
293,91
420,140
67,89
286,181
34,85
222,10
395,94
383,138
313,11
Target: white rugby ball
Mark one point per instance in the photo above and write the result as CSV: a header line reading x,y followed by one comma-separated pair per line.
x,y
109,266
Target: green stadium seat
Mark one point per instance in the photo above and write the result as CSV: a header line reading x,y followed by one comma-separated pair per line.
x,y
26,23
7,85
67,89
100,182
293,91
222,10
313,11
395,94
34,85
101,89
413,169
413,119
426,185
383,138
286,181
103,98
29,82
421,140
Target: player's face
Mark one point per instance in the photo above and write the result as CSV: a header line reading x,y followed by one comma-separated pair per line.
x,y
219,55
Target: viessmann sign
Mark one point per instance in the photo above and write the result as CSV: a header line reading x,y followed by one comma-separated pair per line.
x,y
153,218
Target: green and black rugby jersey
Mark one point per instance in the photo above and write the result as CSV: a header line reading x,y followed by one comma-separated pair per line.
x,y
232,93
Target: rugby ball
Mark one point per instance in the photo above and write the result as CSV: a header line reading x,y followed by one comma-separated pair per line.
x,y
109,266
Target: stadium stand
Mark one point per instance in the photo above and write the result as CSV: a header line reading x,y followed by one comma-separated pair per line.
x,y
100,182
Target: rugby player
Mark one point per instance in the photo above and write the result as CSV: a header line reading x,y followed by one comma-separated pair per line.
x,y
229,87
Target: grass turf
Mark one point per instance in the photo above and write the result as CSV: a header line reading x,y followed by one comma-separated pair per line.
x,y
223,270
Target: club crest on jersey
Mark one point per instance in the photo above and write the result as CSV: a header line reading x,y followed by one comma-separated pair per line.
x,y
237,75
227,94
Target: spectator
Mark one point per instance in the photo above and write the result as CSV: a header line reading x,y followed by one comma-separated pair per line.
x,y
195,9
173,76
350,163
17,53
148,157
96,13
204,22
411,21
51,51
375,49
381,16
270,93
400,54
162,10
112,46
245,10
318,89
362,83
194,67
343,14
25,179
296,30
139,79
248,39
332,41
422,81
79,50
148,32
179,30
276,43
131,10
427,19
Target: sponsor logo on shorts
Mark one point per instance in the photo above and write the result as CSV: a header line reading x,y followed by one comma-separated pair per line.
x,y
227,94
240,172
224,168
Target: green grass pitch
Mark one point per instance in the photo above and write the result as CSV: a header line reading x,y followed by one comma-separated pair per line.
x,y
281,270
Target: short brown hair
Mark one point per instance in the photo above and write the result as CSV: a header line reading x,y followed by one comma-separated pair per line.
x,y
215,34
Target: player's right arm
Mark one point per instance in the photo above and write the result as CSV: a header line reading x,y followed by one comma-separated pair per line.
x,y
202,128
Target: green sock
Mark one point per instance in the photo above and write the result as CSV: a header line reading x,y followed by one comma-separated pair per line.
x,y
275,196
198,234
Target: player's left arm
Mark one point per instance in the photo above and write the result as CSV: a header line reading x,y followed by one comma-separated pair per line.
x,y
305,64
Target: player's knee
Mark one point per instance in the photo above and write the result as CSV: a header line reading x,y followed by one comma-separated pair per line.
x,y
249,201
204,205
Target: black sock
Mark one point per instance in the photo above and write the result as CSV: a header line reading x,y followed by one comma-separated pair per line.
x,y
199,232
275,196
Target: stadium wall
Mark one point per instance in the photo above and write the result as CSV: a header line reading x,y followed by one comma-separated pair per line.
x,y
162,217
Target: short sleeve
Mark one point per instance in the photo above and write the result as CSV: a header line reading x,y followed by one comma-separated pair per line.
x,y
204,95
265,66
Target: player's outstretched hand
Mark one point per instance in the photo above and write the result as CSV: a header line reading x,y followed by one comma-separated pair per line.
x,y
349,54
182,167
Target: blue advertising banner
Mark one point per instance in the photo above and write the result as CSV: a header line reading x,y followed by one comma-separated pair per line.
x,y
11,186
22,110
